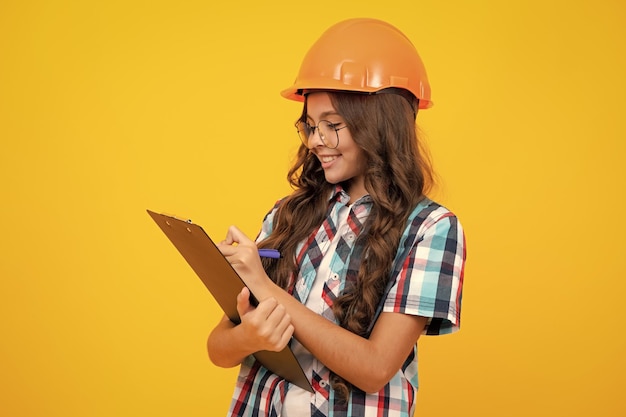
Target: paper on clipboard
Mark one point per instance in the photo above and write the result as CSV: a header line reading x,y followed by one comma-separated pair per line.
x,y
195,245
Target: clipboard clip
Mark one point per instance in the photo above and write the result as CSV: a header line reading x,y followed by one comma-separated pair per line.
x,y
173,216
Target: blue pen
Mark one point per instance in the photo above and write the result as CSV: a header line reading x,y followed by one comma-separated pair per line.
x,y
269,253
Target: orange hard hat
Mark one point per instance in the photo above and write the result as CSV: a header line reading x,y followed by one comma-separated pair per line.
x,y
362,55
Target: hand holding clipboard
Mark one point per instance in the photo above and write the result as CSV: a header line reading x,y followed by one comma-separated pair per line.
x,y
224,284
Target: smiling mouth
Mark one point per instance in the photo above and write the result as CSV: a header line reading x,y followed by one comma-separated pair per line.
x,y
329,158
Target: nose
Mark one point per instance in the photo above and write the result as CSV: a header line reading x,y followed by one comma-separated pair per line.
x,y
315,139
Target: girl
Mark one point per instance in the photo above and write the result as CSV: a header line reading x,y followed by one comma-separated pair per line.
x,y
368,263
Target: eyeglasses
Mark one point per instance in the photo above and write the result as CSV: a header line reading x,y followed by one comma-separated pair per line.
x,y
328,132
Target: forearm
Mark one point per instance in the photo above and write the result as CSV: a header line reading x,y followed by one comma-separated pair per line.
x,y
366,363
337,348
226,345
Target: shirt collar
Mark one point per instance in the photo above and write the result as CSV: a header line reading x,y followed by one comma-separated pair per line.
x,y
339,194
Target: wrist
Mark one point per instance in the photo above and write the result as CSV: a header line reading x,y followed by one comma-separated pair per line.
x,y
262,288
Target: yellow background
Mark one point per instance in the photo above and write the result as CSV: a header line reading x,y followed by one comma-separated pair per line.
x,y
110,108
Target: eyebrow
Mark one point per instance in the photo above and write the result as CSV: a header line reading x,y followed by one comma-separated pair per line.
x,y
325,114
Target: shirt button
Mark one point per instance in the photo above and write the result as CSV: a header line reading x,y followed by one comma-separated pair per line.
x,y
334,277
350,236
323,384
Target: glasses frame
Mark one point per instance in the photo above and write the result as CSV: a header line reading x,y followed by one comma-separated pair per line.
x,y
305,140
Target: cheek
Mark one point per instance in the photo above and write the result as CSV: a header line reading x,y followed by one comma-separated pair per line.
x,y
363,165
359,162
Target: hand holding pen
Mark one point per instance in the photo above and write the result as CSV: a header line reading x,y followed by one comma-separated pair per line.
x,y
245,257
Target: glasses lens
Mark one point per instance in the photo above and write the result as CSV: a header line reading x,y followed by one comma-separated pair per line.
x,y
304,131
328,134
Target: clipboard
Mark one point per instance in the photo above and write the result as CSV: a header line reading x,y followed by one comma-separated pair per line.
x,y
195,245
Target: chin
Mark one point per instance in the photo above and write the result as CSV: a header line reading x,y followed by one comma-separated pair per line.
x,y
334,180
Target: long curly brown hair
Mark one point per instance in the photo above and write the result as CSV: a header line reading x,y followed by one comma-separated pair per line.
x,y
397,177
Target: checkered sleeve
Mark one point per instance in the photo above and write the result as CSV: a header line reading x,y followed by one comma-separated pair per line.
x,y
430,281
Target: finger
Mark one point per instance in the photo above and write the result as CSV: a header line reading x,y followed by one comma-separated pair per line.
x,y
279,319
243,302
283,333
234,235
287,334
231,235
266,308
234,238
227,249
284,327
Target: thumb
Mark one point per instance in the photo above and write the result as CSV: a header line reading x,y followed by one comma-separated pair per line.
x,y
234,235
243,302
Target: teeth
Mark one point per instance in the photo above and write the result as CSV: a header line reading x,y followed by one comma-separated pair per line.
x,y
328,158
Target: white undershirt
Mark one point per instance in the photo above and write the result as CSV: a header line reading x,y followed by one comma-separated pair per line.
x,y
298,401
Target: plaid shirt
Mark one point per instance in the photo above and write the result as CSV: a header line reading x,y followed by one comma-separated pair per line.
x,y
427,279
